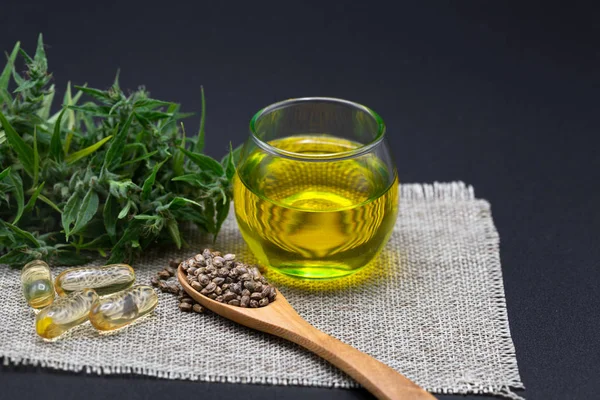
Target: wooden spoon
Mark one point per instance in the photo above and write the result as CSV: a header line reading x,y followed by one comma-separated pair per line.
x,y
280,319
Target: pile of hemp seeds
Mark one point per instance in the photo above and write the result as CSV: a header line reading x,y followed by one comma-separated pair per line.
x,y
218,277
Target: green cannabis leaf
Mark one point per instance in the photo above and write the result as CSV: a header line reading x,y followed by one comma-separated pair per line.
x,y
107,174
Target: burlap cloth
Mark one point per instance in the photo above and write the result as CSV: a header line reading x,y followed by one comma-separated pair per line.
x,y
432,307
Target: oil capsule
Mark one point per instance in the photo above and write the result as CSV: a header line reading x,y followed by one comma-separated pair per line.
x,y
65,313
36,279
120,309
104,280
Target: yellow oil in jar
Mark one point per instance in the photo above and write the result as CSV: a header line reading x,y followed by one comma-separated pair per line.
x,y
315,219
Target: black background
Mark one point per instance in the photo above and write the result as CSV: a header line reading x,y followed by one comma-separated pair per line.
x,y
501,95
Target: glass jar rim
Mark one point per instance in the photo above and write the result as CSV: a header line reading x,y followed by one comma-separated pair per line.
x,y
346,154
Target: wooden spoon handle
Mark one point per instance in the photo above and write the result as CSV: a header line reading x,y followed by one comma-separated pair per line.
x,y
379,379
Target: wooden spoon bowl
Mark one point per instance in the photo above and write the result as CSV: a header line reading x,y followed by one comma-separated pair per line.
x,y
280,319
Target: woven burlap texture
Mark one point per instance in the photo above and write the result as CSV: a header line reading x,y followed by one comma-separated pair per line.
x,y
432,307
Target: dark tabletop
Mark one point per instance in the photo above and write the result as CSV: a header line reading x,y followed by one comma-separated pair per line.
x,y
504,97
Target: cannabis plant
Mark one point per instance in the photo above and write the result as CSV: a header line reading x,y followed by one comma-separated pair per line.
x,y
108,176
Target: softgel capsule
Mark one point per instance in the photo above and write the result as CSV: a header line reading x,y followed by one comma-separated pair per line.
x,y
121,309
104,280
37,284
65,313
